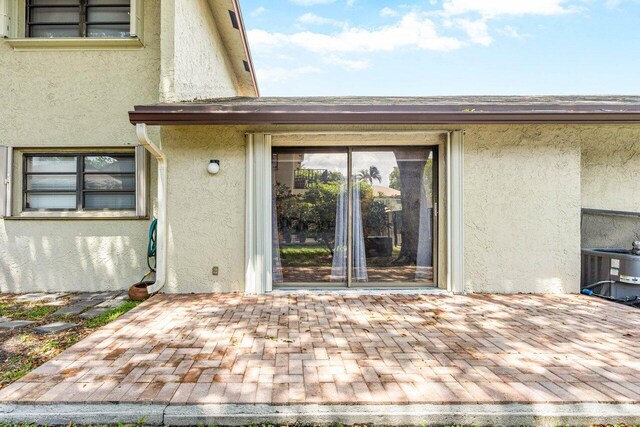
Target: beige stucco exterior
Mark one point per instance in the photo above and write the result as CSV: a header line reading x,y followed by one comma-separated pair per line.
x,y
522,209
75,99
610,173
79,97
196,64
523,193
523,186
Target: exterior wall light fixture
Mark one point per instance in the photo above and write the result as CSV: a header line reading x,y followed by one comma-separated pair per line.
x,y
213,167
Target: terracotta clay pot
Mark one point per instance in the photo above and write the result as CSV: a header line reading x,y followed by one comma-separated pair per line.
x,y
138,291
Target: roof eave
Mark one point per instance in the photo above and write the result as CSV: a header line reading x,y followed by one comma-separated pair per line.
x,y
172,117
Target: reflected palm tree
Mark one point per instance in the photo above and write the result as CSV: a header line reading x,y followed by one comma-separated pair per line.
x,y
369,175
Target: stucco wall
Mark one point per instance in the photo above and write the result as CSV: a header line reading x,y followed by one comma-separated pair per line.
x,y
194,62
205,214
522,207
610,177
75,99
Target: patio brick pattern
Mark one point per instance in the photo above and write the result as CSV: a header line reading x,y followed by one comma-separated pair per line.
x,y
229,348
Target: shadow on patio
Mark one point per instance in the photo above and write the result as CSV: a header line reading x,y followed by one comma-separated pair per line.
x,y
351,349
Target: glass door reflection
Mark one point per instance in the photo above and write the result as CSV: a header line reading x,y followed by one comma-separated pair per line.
x,y
377,228
309,206
393,216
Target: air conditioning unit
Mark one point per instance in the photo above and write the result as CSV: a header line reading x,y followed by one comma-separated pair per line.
x,y
616,270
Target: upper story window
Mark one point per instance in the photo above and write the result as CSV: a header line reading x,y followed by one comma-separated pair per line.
x,y
78,18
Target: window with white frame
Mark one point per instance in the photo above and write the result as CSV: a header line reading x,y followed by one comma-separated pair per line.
x,y
79,182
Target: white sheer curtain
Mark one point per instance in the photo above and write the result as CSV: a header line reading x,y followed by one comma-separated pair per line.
x,y
339,264
275,244
424,258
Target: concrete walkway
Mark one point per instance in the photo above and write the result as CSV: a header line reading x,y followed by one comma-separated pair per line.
x,y
221,351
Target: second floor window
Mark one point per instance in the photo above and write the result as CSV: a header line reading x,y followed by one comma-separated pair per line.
x,y
78,18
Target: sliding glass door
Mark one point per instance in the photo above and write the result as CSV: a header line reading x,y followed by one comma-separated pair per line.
x,y
353,216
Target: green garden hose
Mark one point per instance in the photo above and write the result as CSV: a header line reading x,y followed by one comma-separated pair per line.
x,y
151,247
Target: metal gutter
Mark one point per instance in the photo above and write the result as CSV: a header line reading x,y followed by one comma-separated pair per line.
x,y
402,111
183,117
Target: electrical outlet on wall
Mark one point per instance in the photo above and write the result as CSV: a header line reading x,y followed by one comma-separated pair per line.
x,y
214,271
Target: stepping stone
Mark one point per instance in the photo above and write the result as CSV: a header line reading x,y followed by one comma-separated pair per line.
x,y
112,303
15,324
122,296
54,328
94,312
41,296
76,308
86,296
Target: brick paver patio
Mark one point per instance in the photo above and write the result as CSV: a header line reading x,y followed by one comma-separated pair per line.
x,y
228,348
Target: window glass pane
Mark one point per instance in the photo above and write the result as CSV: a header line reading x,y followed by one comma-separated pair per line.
x,y
53,2
51,182
104,30
118,16
54,31
51,164
108,14
51,201
392,218
109,164
309,217
109,201
68,15
109,2
109,182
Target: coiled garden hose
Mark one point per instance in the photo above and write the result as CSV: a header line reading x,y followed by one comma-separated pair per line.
x,y
151,248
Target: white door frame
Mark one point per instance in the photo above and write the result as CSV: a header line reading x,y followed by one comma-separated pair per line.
x,y
258,244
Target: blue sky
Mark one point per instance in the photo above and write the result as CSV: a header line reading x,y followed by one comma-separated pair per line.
x,y
444,47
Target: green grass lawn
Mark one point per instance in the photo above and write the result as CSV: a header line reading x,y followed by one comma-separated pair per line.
x,y
305,256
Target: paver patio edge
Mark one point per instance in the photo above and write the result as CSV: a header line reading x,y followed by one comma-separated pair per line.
x,y
65,414
236,415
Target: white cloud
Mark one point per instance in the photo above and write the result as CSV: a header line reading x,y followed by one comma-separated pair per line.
x,y
478,31
510,31
348,64
494,8
258,11
387,11
276,74
312,18
413,31
311,2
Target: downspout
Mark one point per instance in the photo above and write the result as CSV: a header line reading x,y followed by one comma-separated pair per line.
x,y
161,240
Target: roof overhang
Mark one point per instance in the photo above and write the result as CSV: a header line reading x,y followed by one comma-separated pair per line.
x,y
234,39
400,111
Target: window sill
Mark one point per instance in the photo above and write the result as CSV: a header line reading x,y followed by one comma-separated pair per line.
x,y
35,44
113,215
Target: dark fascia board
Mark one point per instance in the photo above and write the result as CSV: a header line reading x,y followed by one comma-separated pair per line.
x,y
283,114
